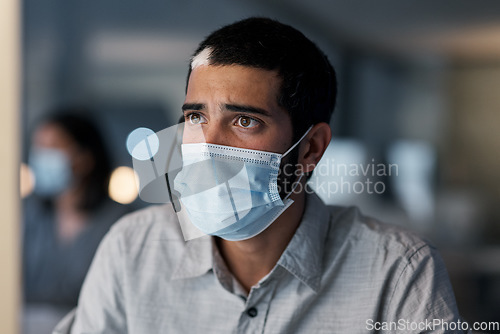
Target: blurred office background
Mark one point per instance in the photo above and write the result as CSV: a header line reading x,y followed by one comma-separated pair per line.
x,y
419,88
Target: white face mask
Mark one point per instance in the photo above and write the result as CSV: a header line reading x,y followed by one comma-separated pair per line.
x,y
52,171
230,192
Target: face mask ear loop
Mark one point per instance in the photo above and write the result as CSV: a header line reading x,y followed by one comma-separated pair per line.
x,y
294,187
288,151
298,142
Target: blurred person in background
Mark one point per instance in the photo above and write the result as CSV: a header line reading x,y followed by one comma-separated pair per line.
x,y
66,216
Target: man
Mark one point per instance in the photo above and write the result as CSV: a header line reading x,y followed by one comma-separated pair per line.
x,y
261,94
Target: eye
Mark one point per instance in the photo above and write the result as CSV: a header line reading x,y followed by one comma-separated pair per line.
x,y
246,122
196,118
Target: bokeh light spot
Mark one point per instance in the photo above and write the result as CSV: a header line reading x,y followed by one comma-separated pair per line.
x,y
123,185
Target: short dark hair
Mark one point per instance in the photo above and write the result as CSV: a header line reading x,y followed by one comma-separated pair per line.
x,y
308,90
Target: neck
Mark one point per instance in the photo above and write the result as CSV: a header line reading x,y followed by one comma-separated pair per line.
x,y
252,259
70,219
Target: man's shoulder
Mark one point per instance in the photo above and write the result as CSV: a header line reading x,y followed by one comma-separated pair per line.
x,y
397,273
367,253
350,226
158,222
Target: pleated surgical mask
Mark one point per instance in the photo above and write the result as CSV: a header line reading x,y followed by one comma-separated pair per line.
x,y
228,191
52,171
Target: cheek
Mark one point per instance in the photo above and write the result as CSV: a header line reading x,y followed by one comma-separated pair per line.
x,y
284,138
192,134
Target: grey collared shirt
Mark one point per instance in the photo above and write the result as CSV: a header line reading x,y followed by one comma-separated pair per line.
x,y
341,273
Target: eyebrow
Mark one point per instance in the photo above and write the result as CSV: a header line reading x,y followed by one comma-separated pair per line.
x,y
230,107
192,106
247,109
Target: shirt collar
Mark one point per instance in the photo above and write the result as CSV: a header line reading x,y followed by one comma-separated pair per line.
x,y
303,256
196,260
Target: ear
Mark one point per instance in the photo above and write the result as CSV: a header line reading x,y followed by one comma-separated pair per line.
x,y
313,146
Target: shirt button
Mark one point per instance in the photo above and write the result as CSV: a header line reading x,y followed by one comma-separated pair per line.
x,y
252,312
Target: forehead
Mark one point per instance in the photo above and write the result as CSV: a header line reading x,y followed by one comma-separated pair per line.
x,y
234,84
52,135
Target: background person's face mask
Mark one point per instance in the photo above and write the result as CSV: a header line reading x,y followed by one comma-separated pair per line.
x,y
52,170
230,192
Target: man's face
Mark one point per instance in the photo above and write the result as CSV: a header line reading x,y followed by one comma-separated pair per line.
x,y
236,106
